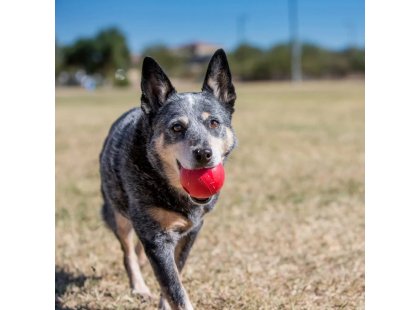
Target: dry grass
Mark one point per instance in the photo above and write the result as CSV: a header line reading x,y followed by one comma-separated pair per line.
x,y
288,232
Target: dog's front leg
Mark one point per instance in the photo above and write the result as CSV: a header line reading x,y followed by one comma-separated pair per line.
x,y
160,252
182,250
184,246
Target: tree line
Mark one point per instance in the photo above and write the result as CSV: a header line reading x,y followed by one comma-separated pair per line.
x,y
101,55
108,52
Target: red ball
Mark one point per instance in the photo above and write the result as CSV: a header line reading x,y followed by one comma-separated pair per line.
x,y
203,183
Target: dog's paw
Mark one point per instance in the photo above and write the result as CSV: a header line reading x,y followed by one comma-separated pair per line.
x,y
163,304
143,294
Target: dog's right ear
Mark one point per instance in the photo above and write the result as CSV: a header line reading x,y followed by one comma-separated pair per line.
x,y
155,86
218,80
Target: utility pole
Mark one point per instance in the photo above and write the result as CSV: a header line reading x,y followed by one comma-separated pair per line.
x,y
240,27
294,40
351,28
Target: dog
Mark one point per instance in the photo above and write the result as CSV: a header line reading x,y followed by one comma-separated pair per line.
x,y
140,173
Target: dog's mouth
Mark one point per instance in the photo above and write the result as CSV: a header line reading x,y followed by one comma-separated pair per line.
x,y
199,167
198,201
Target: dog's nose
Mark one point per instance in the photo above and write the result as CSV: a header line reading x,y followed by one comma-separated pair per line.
x,y
203,156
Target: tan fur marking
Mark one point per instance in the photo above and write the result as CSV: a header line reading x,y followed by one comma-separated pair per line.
x,y
214,86
205,115
167,155
169,220
184,120
222,145
216,144
125,234
142,258
124,230
228,139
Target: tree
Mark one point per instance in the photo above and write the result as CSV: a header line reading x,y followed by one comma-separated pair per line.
x,y
104,54
244,59
59,58
113,51
84,53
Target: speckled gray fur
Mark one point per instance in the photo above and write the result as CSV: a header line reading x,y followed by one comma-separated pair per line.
x,y
133,176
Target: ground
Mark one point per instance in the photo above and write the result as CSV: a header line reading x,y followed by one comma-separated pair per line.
x,y
288,231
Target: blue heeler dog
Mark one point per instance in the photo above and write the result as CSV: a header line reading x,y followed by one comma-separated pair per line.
x,y
140,172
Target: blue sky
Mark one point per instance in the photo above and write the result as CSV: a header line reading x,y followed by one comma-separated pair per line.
x,y
331,23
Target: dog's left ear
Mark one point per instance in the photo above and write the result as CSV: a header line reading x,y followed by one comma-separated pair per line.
x,y
155,85
218,80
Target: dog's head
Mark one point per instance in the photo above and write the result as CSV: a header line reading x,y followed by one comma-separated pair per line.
x,y
190,130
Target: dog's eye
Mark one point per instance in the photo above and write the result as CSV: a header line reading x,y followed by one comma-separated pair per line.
x,y
214,124
177,128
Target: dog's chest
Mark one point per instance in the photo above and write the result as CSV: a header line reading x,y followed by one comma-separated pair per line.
x,y
175,221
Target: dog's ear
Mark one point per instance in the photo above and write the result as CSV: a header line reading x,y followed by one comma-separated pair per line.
x,y
218,80
155,86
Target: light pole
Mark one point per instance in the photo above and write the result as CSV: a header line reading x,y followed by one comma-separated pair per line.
x,y
240,26
294,40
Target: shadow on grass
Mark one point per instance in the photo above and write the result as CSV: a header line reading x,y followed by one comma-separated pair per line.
x,y
65,279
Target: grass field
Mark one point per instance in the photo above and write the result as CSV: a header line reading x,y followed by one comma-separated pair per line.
x,y
288,231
